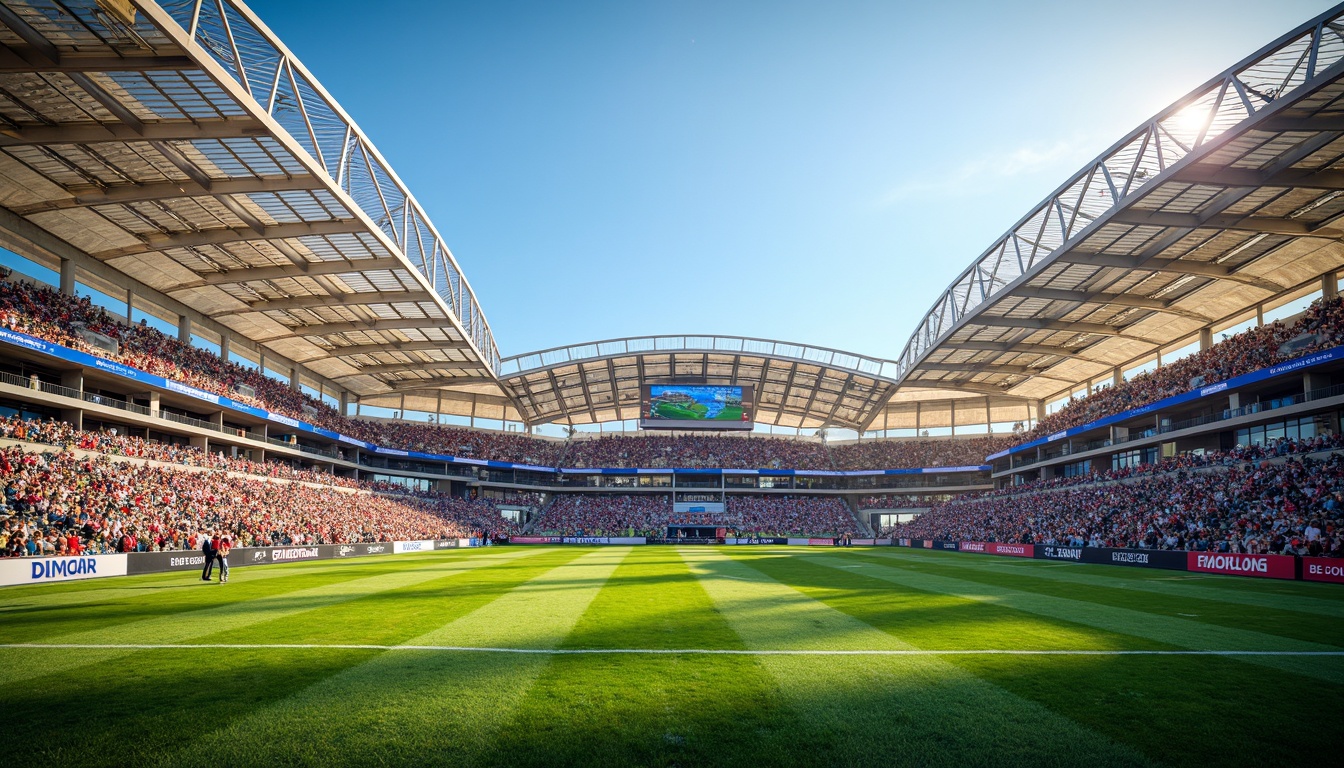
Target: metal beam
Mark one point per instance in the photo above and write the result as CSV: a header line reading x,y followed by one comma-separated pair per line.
x,y
1027,349
961,386
438,383
1331,123
1267,224
1043,324
41,46
448,396
981,368
312,269
158,242
177,130
1117,299
455,367
141,193
1245,177
353,350
23,59
324,329
1174,266
318,302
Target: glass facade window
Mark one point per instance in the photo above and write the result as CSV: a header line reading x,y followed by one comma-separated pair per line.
x,y
1304,428
414,483
1135,458
1078,468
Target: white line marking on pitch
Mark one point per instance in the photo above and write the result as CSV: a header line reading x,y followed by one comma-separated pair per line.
x,y
659,651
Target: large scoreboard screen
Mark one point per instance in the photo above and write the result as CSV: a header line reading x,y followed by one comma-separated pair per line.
x,y
687,406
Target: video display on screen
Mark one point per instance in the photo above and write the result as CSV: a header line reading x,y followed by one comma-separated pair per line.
x,y
683,406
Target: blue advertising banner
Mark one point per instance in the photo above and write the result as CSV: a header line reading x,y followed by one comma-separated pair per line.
x,y
1307,361
92,361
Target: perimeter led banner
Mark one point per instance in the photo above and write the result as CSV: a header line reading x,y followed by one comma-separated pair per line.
x,y
32,570
695,406
1264,566
1323,569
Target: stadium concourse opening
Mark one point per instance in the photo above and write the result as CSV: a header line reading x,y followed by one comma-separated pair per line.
x,y
1093,507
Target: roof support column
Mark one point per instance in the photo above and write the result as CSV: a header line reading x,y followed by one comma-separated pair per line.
x,y
184,329
224,347
1205,338
1329,286
952,420
68,277
1117,376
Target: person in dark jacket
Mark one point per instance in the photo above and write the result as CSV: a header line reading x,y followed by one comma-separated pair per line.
x,y
208,549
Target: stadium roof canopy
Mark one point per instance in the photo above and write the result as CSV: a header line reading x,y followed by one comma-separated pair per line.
x,y
1227,200
795,385
184,146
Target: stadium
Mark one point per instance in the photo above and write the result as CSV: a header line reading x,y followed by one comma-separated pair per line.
x,y
1092,513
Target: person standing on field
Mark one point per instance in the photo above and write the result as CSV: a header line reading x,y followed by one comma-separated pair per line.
x,y
222,547
207,549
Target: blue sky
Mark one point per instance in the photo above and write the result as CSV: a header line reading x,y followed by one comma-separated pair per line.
x,y
812,172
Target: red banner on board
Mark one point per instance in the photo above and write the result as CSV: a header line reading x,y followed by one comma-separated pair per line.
x,y
1323,569
1264,566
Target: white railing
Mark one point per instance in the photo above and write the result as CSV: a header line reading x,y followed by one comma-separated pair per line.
x,y
1108,182
240,43
639,345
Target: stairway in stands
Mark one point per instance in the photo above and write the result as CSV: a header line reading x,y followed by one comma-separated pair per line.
x,y
864,528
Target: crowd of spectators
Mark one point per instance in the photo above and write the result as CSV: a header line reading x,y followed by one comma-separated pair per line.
x,y
1248,500
66,320
899,501
694,451
651,514
606,515
918,452
789,516
1320,327
63,502
463,443
60,433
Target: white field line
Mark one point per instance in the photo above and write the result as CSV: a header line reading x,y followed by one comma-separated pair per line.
x,y
650,651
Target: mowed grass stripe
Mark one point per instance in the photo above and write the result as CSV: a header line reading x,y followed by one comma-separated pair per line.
x,y
651,710
907,710
121,590
395,616
105,590
163,685
1277,620
1299,597
1177,631
1213,709
418,708
926,619
326,589
106,602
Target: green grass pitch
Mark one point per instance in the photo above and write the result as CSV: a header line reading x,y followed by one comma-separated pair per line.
x,y
697,412
308,664
692,412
